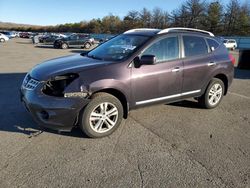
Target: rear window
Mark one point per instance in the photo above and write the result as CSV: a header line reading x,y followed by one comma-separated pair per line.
x,y
212,44
194,46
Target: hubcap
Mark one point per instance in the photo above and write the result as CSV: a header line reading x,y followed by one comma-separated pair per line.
x,y
215,94
103,117
87,46
64,46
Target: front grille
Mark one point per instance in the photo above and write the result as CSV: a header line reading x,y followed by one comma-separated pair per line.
x,y
30,83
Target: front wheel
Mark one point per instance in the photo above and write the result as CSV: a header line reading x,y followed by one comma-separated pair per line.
x,y
102,116
2,40
213,95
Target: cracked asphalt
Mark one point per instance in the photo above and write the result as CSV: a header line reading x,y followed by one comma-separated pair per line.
x,y
174,145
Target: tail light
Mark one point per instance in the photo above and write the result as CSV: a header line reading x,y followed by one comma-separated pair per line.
x,y
232,59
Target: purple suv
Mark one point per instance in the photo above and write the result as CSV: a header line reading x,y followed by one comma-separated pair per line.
x,y
140,67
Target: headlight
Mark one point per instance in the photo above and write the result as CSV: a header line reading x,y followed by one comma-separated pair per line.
x,y
55,86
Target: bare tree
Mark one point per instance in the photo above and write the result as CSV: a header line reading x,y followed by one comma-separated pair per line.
x,y
231,17
145,17
160,18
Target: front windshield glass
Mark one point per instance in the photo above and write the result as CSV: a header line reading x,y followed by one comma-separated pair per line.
x,y
118,48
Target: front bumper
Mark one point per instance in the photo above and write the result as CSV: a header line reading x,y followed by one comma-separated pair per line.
x,y
57,113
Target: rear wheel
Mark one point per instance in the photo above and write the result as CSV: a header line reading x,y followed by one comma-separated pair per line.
x,y
64,46
102,116
213,95
2,40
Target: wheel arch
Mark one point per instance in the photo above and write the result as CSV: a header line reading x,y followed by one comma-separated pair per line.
x,y
224,79
119,95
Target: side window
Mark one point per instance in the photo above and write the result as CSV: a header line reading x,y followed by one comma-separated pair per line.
x,y
164,50
194,46
212,44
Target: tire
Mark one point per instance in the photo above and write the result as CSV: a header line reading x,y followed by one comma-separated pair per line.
x,y
95,122
213,95
2,40
55,46
87,45
64,46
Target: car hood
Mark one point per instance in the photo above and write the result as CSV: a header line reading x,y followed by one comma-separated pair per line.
x,y
63,65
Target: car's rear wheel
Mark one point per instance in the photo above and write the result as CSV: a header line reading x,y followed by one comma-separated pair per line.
x,y
87,45
2,40
102,116
64,46
213,95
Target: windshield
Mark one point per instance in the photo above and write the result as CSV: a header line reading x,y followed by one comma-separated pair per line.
x,y
118,48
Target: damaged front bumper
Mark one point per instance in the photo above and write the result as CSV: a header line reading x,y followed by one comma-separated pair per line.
x,y
58,113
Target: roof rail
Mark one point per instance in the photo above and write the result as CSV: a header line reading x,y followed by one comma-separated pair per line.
x,y
185,29
141,29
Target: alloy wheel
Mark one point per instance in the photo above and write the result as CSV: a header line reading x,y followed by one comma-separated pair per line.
x,y
103,117
215,94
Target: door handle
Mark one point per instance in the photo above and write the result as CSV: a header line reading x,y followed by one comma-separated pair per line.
x,y
211,64
176,69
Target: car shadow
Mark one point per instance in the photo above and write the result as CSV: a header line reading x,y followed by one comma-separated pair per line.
x,y
14,117
44,46
187,104
241,73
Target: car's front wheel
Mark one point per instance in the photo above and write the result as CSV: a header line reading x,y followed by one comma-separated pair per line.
x,y
213,95
2,40
102,116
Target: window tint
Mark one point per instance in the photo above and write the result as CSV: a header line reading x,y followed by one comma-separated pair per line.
x,y
212,44
164,49
194,46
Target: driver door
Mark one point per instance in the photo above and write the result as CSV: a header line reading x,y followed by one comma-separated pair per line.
x,y
161,81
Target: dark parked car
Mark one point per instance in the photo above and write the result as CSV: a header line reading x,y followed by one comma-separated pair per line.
x,y
25,35
140,67
50,38
74,40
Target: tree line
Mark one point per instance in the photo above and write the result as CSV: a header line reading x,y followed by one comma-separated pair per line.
x,y
230,19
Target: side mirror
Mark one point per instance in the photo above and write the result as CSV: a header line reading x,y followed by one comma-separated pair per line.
x,y
148,60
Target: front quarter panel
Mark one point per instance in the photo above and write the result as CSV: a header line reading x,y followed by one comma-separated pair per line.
x,y
110,76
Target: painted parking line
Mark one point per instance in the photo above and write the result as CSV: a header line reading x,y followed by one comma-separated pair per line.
x,y
239,95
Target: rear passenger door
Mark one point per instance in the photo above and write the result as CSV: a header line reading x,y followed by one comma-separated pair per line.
x,y
74,40
198,63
